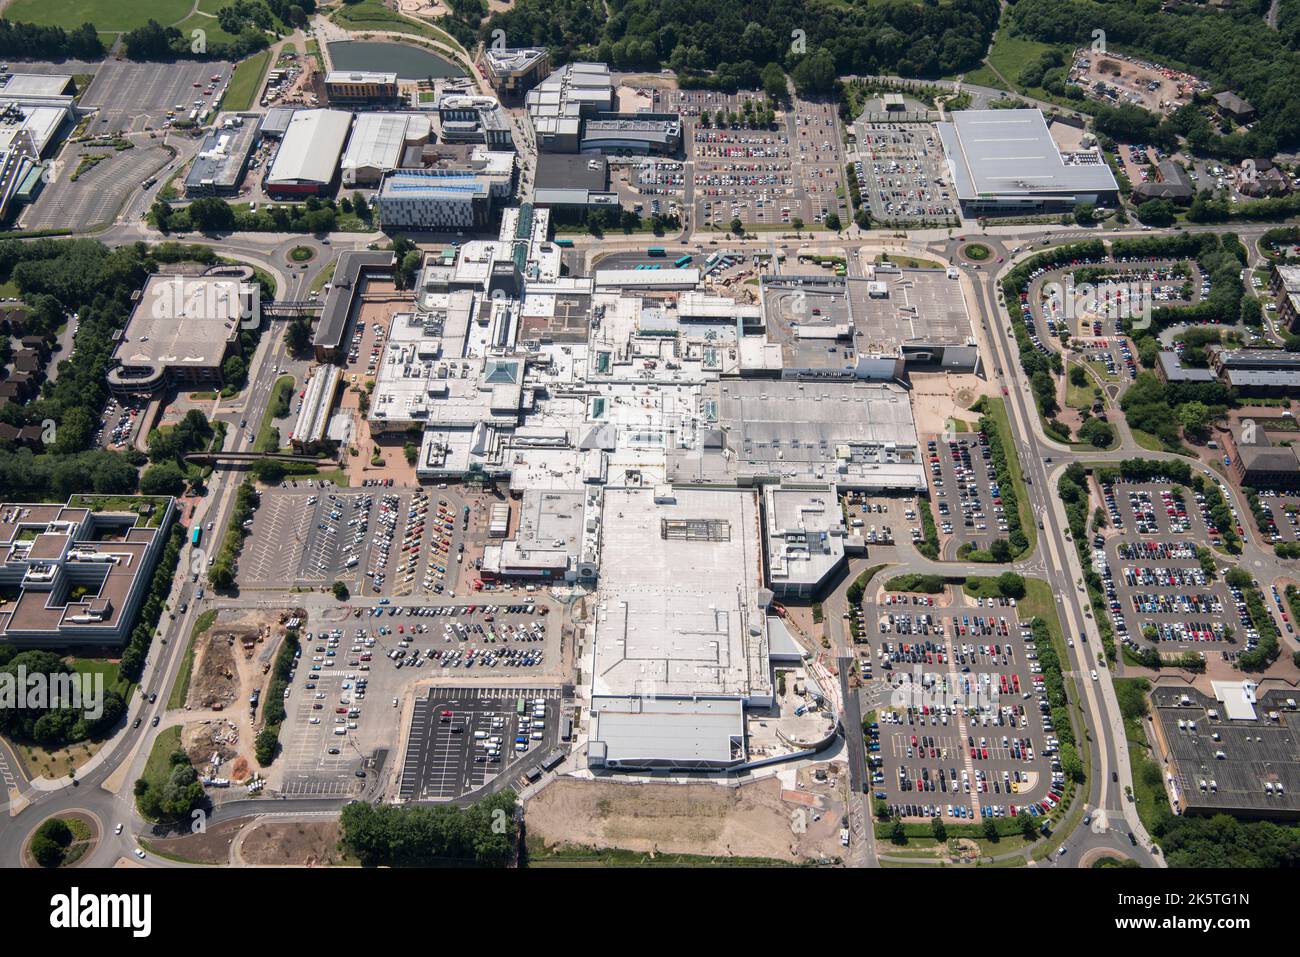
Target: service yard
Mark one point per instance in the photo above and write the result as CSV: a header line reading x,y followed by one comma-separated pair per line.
x,y
963,729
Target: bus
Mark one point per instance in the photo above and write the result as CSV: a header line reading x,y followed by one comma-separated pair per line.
x,y
519,707
655,251
196,535
684,261
565,243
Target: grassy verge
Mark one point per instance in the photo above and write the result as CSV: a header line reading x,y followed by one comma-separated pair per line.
x,y
158,767
575,855
322,277
996,409
245,82
281,395
181,687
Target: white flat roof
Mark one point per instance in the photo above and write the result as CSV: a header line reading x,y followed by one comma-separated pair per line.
x,y
678,605
311,147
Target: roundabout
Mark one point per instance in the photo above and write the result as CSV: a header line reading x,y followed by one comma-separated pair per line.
x,y
62,840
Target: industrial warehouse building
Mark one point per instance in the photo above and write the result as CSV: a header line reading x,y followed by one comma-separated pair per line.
x,y
378,143
1006,162
222,160
1231,753
308,159
79,573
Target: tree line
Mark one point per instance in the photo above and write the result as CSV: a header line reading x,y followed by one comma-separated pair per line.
x,y
732,40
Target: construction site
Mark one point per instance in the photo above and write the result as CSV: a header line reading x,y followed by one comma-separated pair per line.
x,y
232,665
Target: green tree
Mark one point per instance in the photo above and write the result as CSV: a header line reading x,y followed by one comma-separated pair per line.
x,y
774,81
737,227
833,222
340,591
265,746
815,73
162,478
938,830
1194,418
1085,214
1156,212
1011,585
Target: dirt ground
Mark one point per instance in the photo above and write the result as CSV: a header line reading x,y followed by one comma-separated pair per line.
x,y
293,843
210,847
1174,90
939,396
225,673
753,820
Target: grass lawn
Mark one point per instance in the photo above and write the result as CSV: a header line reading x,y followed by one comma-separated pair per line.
x,y
107,15
111,670
10,291
324,276
159,764
1078,396
283,391
1009,55
209,25
181,687
909,262
246,82
997,408
373,15
1147,441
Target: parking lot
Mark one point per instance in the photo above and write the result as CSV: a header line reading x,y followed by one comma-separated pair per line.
x,y
1111,358
761,175
131,97
463,738
388,541
1285,510
965,494
1156,590
963,728
652,186
901,172
357,670
99,192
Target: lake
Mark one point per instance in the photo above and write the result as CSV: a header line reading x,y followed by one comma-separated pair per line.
x,y
408,62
